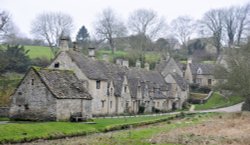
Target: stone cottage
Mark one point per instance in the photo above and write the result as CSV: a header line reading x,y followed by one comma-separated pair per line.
x,y
48,94
200,73
94,87
173,74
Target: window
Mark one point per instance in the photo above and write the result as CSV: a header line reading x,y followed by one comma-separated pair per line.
x,y
108,90
209,81
98,84
20,93
199,71
103,103
26,107
57,65
110,104
32,81
127,104
111,91
198,80
158,104
125,89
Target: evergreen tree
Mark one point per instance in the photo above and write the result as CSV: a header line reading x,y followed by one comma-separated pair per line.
x,y
82,36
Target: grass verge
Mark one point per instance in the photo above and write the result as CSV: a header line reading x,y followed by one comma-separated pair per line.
x,y
218,101
29,131
144,135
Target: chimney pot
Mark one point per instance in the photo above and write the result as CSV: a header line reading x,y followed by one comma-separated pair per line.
x,y
138,64
147,66
92,53
64,43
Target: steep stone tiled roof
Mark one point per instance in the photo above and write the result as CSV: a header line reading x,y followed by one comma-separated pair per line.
x,y
63,83
180,81
159,96
115,73
207,69
161,66
137,76
92,69
111,72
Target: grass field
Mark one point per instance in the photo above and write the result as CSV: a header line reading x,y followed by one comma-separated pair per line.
x,y
218,101
39,51
144,135
25,131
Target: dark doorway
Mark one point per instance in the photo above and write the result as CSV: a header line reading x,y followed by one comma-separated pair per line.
x,y
174,106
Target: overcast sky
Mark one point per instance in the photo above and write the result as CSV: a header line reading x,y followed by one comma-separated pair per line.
x,y
84,12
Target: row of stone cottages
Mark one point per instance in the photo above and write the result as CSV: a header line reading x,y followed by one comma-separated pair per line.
x,y
76,85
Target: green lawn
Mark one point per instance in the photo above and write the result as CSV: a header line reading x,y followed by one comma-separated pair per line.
x,y
141,136
39,51
24,131
218,101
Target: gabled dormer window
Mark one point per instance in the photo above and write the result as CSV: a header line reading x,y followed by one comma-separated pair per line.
x,y
199,71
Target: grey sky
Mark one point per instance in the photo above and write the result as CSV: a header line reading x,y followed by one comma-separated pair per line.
x,y
84,12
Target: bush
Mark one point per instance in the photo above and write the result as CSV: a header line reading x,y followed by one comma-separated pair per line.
x,y
194,87
204,89
199,89
155,110
41,62
141,109
246,105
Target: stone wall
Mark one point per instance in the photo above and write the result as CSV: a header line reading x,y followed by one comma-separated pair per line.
x,y
73,107
4,111
204,80
32,100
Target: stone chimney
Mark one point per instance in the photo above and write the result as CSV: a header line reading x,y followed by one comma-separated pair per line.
x,y
189,61
92,53
146,66
118,61
138,64
76,47
125,63
64,43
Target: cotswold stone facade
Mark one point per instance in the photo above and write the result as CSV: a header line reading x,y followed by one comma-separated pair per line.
x,y
45,94
200,73
102,88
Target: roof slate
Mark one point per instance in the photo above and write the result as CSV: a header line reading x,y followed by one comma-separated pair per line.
x,y
63,84
207,69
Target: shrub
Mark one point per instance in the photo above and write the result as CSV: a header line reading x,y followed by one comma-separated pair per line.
x,y
204,89
141,109
194,87
246,105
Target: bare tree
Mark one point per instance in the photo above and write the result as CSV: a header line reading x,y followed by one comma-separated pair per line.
x,y
51,26
243,19
236,21
109,26
183,27
212,22
7,27
146,22
230,23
